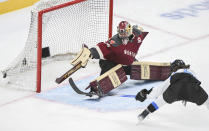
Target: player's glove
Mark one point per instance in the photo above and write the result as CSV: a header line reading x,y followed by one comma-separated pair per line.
x,y
137,30
142,95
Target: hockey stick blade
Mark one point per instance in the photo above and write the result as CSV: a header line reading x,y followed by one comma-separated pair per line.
x,y
76,89
68,73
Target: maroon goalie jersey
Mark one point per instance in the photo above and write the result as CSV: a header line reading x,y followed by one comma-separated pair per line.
x,y
115,50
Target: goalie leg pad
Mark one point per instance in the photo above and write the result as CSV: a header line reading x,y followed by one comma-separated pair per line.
x,y
150,71
109,80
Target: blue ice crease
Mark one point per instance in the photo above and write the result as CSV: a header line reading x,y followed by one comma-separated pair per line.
x,y
119,99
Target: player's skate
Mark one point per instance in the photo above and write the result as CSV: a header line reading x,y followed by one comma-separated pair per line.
x,y
143,115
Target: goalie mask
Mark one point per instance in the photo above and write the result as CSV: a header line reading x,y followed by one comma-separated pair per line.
x,y
124,29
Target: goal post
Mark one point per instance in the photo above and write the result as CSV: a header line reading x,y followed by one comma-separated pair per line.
x,y
59,27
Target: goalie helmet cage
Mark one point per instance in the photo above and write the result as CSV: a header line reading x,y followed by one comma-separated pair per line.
x,y
59,27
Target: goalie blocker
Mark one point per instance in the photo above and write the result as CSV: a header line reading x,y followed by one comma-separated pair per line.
x,y
108,81
79,61
150,71
82,57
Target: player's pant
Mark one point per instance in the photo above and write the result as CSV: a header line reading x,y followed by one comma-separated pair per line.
x,y
185,87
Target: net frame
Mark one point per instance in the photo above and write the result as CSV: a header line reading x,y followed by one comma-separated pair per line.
x,y
40,29
25,72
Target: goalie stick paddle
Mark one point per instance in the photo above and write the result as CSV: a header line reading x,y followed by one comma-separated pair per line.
x,y
68,73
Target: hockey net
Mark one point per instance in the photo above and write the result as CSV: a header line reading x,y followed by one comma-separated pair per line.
x,y
58,29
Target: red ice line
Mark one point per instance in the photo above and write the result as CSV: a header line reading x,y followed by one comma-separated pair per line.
x,y
16,100
189,41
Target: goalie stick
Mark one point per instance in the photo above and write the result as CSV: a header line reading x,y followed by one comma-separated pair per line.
x,y
68,73
77,90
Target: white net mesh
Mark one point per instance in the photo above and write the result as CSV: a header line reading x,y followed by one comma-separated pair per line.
x,y
64,31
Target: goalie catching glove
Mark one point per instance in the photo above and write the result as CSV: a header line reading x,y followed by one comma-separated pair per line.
x,y
83,56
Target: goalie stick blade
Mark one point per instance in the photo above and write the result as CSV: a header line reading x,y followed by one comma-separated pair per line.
x,y
76,89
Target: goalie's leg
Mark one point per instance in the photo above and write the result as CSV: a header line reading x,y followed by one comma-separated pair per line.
x,y
106,65
108,81
150,71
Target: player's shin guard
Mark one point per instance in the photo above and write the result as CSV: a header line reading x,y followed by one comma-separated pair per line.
x,y
152,107
150,71
108,81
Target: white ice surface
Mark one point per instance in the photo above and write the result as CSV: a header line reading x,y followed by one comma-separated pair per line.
x,y
186,38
